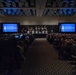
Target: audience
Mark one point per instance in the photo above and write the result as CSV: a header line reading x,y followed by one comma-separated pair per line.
x,y
65,44
13,50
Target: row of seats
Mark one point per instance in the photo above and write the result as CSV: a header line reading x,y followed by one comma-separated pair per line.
x,y
65,44
13,50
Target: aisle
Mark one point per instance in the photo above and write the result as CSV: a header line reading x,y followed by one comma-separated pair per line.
x,y
42,59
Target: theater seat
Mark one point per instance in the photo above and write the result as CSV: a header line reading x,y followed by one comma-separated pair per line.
x,y
73,55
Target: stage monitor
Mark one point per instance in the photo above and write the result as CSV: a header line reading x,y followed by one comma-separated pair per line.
x,y
27,37
67,27
9,27
21,35
17,37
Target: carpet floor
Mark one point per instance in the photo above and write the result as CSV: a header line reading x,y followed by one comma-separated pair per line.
x,y
42,59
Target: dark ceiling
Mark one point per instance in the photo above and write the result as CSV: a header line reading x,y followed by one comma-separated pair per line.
x,y
38,7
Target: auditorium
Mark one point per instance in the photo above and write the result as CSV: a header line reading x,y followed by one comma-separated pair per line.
x,y
37,37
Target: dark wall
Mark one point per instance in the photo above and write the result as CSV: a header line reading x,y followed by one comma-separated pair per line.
x,y
55,28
